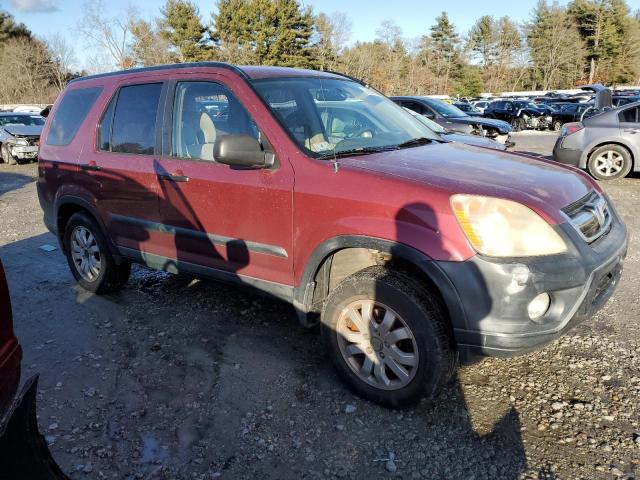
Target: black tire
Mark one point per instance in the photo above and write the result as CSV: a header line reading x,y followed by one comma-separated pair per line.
x,y
516,124
556,125
6,155
419,310
111,276
622,159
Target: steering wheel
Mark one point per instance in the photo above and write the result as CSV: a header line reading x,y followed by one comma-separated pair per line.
x,y
360,132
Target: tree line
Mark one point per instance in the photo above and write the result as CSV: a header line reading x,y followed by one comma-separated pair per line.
x,y
557,47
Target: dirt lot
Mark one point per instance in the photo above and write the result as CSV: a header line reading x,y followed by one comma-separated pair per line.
x,y
175,378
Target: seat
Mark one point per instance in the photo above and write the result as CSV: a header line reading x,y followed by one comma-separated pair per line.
x,y
198,135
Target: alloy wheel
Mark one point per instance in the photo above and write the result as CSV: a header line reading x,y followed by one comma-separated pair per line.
x,y
85,253
609,163
377,344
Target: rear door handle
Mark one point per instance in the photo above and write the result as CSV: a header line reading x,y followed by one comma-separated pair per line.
x,y
173,178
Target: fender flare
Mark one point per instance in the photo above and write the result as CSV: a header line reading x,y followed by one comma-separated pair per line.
x,y
429,267
93,211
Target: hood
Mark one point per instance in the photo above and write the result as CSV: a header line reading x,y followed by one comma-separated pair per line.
x,y
503,127
476,140
24,130
534,111
544,186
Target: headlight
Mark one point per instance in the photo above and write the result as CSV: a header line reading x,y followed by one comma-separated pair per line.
x,y
503,228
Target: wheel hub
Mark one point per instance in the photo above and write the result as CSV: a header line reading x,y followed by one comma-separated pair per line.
x,y
85,253
377,344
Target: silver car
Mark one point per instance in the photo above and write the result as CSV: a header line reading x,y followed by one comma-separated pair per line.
x,y
607,145
19,136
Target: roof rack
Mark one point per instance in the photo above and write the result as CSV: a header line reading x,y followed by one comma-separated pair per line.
x,y
163,67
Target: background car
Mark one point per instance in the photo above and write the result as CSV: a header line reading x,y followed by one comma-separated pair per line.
x,y
453,118
480,105
19,136
468,109
567,112
606,144
452,136
521,114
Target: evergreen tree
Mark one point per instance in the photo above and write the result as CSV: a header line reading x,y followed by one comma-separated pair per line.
x,y
10,29
276,32
443,44
181,27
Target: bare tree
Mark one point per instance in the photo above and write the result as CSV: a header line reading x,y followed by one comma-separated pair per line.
x,y
112,35
62,59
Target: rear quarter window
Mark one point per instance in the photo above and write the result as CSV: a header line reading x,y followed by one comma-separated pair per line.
x,y
73,109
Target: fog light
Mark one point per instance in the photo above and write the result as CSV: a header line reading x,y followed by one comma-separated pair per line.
x,y
539,306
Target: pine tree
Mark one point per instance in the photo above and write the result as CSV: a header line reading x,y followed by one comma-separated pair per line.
x,y
276,32
10,29
181,27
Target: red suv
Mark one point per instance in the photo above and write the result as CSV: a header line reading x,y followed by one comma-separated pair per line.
x,y
315,189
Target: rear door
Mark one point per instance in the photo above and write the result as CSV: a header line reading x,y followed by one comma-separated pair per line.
x,y
213,215
629,119
120,167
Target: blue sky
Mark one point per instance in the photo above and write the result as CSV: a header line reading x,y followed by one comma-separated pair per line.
x,y
46,17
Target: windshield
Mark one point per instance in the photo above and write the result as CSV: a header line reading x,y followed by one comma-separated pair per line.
x,y
444,109
21,120
332,116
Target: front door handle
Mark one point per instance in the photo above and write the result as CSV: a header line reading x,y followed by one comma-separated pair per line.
x,y
173,178
92,166
632,130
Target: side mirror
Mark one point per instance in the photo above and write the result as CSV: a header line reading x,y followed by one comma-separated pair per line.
x,y
241,151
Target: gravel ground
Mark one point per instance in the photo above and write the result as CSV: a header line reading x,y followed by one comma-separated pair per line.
x,y
175,378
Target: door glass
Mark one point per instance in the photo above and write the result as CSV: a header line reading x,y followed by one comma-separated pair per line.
x,y
630,115
134,120
202,113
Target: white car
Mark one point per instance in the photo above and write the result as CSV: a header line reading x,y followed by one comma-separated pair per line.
x,y
480,104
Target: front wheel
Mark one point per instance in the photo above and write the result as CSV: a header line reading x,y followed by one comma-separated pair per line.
x,y
609,161
556,125
6,155
517,124
89,257
387,337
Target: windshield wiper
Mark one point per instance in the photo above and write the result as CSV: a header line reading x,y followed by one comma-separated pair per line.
x,y
414,142
354,152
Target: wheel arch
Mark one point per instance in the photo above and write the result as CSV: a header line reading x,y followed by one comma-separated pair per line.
x,y
67,206
589,151
315,283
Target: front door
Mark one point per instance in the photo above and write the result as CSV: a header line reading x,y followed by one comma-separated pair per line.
x,y
213,215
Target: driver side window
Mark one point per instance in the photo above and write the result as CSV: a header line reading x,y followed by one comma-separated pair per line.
x,y
202,113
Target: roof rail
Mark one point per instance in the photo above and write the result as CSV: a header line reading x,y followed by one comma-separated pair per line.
x,y
163,67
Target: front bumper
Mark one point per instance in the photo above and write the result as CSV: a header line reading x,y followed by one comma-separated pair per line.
x,y
495,293
24,151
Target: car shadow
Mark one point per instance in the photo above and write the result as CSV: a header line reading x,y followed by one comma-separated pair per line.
x,y
13,181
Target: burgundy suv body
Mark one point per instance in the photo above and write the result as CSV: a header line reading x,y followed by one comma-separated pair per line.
x,y
317,190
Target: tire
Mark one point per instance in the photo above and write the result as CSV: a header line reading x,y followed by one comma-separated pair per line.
x,y
609,162
427,353
556,125
6,155
516,123
83,235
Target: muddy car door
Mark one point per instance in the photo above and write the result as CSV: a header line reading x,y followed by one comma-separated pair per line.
x,y
220,217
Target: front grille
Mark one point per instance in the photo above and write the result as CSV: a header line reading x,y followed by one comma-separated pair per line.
x,y
590,216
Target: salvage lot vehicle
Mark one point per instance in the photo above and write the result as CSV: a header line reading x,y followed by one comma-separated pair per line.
x,y
452,136
567,112
411,250
19,136
468,109
521,114
455,119
24,451
606,144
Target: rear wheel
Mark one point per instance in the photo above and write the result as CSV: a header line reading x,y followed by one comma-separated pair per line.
x,y
609,161
517,124
387,337
89,257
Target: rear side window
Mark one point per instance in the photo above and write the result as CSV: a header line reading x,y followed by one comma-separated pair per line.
x,y
130,125
630,115
73,109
